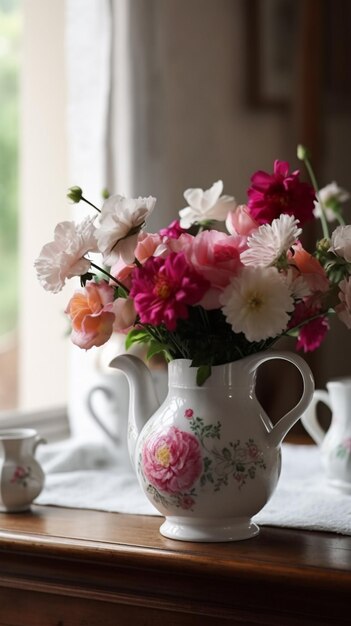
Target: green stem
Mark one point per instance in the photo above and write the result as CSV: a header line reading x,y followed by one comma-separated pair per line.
x,y
306,321
316,188
177,346
90,204
100,269
340,219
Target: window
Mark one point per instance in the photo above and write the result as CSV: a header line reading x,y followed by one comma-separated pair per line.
x,y
36,179
10,43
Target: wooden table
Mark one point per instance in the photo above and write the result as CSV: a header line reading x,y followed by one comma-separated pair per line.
x,y
69,567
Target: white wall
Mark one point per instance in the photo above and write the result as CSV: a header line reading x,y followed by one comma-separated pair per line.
x,y
190,124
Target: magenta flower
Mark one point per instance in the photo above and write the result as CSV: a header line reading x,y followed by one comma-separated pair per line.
x,y
172,462
173,231
312,333
164,288
188,413
280,192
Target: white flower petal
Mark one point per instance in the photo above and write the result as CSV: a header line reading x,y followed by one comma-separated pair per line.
x,y
329,213
63,258
206,205
257,303
210,196
120,220
333,192
341,242
297,284
267,244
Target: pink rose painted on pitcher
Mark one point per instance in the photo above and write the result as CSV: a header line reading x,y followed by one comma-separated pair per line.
x,y
172,462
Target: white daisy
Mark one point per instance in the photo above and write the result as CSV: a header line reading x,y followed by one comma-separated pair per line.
x,y
267,244
206,205
64,257
120,222
257,303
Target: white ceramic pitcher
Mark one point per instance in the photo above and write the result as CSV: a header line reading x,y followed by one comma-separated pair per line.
x,y
21,476
208,457
335,443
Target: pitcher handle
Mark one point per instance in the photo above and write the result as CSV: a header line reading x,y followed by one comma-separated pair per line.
x,y
310,419
90,404
37,441
282,427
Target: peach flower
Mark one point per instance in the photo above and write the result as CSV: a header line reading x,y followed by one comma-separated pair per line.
x,y
91,313
310,268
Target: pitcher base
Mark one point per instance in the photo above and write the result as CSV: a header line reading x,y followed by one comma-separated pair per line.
x,y
195,529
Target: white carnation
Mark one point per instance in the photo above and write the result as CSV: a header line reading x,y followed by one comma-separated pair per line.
x,y
257,303
121,220
267,244
64,257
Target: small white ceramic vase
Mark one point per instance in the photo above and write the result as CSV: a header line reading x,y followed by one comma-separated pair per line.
x,y
335,443
21,476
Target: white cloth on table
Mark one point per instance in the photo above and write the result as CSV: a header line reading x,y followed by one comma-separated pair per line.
x,y
91,476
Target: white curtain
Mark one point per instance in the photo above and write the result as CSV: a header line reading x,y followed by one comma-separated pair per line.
x,y
89,68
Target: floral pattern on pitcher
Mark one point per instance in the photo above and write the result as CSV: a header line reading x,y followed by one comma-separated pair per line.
x,y
21,475
174,461
344,448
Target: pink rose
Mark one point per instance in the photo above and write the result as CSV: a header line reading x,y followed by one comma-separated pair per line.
x,y
215,256
240,222
172,462
125,314
122,272
145,248
147,244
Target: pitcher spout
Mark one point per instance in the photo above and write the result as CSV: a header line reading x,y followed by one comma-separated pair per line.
x,y
143,401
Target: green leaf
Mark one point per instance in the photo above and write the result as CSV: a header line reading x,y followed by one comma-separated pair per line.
x,y
136,336
156,347
120,292
202,374
226,454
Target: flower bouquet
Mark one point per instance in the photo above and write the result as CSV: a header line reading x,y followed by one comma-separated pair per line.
x,y
222,282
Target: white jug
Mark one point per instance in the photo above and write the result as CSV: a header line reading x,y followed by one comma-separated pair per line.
x,y
335,443
208,457
21,476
